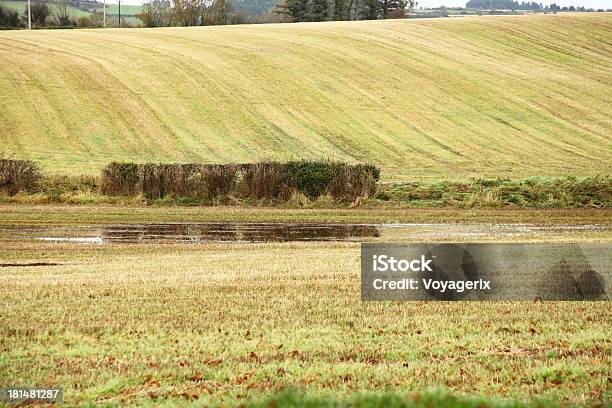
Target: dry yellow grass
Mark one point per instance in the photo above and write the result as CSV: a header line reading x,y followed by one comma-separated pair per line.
x,y
515,95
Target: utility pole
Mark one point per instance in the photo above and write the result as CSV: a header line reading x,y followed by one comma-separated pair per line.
x,y
104,15
29,16
119,13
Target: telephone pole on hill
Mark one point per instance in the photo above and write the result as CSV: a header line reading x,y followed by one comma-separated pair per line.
x,y
119,13
103,15
29,16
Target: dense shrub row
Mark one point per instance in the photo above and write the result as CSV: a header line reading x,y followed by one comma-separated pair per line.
x,y
266,180
19,175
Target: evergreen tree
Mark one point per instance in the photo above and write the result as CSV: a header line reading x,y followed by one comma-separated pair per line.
x,y
370,10
318,10
296,9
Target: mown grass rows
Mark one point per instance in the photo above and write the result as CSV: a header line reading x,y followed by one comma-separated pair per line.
x,y
501,96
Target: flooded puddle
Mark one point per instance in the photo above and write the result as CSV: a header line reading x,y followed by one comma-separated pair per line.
x,y
202,232
282,232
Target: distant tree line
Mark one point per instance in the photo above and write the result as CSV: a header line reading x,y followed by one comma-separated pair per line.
x,y
554,7
253,7
328,10
503,5
515,5
163,13
166,13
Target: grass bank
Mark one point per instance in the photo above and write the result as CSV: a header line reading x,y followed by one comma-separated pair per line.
x,y
533,192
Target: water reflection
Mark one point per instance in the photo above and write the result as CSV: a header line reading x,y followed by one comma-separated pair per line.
x,y
235,232
284,232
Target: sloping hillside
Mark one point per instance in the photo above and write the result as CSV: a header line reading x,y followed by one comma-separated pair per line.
x,y
515,96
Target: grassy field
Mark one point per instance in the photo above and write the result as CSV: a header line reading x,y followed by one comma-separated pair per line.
x,y
169,324
56,215
21,8
126,9
488,96
181,324
186,324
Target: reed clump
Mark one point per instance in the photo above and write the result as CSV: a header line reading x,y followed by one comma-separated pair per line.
x,y
264,180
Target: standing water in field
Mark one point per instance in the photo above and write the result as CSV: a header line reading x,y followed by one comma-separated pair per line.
x,y
284,232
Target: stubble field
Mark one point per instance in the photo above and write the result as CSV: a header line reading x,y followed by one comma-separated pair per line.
x,y
185,324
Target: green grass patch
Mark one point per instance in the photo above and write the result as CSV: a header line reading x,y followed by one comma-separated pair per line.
x,y
126,9
533,192
292,398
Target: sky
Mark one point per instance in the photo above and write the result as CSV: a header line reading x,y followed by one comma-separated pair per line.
x,y
596,4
